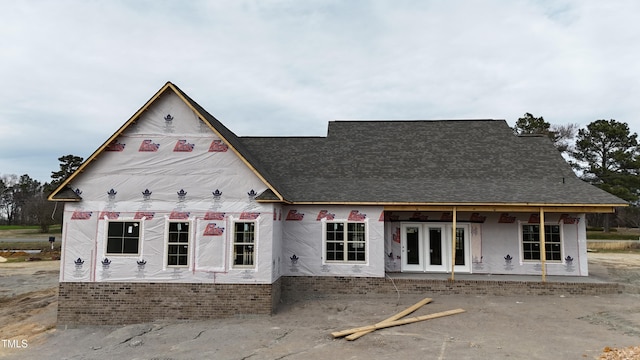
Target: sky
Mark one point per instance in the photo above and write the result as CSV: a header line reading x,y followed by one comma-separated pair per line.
x,y
72,72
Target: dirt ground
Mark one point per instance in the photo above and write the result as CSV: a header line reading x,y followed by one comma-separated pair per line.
x,y
493,327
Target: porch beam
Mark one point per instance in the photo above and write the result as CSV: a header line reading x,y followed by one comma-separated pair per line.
x,y
503,208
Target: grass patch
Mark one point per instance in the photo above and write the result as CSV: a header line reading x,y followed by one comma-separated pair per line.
x,y
52,228
20,231
598,235
19,227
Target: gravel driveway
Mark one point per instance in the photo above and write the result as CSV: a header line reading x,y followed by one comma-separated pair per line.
x,y
493,327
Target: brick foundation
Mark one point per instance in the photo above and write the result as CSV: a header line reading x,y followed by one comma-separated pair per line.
x,y
303,285
109,303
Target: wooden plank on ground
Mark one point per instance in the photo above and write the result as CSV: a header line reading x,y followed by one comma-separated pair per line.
x,y
397,316
396,323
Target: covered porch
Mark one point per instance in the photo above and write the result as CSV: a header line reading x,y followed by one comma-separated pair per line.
x,y
490,240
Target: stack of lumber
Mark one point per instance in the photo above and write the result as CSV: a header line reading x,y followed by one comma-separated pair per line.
x,y
628,353
395,320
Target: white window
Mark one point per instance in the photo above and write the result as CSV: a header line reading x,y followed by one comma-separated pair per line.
x,y
178,244
123,238
345,242
244,244
531,242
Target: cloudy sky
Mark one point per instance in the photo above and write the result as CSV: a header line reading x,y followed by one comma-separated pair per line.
x,y
72,72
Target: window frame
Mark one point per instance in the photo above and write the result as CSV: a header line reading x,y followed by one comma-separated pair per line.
x,y
169,243
139,237
346,247
254,245
551,239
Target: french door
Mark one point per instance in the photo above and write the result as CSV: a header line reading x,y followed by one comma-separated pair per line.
x,y
426,247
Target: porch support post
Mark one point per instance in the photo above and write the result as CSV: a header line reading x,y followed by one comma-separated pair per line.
x,y
543,248
453,242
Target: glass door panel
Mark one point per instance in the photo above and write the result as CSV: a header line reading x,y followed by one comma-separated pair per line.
x,y
426,247
413,246
460,247
463,255
435,246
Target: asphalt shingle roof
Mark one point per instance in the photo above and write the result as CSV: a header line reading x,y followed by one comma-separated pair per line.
x,y
444,161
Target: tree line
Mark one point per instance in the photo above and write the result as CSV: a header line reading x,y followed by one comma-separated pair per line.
x,y
605,153
23,200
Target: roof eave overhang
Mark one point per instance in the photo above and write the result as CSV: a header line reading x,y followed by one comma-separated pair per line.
x,y
65,195
272,201
486,207
551,208
65,199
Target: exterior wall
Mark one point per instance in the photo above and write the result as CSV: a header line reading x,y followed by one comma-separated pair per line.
x,y
158,171
210,256
496,242
303,244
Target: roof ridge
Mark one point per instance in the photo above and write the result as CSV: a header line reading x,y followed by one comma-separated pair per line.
x,y
414,120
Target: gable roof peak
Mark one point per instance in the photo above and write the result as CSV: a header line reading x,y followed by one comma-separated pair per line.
x,y
216,126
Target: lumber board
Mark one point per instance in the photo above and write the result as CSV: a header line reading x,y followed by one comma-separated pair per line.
x,y
397,316
342,333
